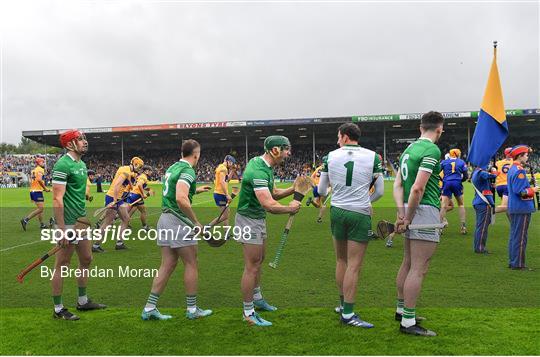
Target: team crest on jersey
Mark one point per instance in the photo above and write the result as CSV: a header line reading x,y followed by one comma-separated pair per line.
x,y
521,176
80,171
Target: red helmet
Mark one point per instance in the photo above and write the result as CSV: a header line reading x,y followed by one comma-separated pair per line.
x,y
40,161
69,136
507,152
519,149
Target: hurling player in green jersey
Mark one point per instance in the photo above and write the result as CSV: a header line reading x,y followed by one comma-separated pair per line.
x,y
69,177
350,170
416,193
179,230
258,196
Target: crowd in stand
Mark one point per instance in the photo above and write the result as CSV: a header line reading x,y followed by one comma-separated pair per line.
x,y
105,165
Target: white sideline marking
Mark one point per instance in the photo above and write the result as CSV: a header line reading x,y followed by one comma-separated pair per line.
x,y
199,203
22,245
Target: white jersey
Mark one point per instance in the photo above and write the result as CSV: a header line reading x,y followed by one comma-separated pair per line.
x,y
351,170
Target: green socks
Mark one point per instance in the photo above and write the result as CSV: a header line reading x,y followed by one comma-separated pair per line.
x,y
83,299
57,301
348,308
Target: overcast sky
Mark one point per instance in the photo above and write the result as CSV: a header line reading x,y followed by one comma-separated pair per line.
x,y
96,63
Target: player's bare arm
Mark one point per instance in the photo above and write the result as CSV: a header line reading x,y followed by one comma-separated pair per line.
x,y
58,207
182,200
398,197
202,189
224,188
142,190
279,193
42,183
117,185
271,205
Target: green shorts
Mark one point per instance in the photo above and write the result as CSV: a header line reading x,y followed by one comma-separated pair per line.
x,y
350,225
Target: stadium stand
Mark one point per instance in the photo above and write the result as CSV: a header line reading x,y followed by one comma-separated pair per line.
x,y
312,138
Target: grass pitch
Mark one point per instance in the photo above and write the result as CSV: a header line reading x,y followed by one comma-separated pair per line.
x,y
474,302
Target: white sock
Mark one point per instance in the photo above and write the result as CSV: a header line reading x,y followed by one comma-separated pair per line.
x,y
407,322
399,310
249,309
191,303
83,300
151,302
257,295
57,308
347,316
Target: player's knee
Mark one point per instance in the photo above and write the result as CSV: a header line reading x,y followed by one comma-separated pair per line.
x,y
190,264
253,268
341,263
167,269
85,260
420,270
61,261
170,264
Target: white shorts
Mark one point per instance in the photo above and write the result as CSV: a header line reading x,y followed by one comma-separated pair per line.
x,y
425,215
174,233
256,232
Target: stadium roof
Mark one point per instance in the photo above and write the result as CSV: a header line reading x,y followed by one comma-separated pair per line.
x,y
237,132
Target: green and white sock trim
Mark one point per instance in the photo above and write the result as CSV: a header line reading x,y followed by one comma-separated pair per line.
x,y
257,294
249,308
151,302
409,317
191,302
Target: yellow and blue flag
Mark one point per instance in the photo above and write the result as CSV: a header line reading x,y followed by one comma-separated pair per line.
x,y
491,128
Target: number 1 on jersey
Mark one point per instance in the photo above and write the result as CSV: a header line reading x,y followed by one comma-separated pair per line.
x,y
348,179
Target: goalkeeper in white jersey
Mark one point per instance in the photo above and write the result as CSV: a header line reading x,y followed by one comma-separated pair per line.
x,y
350,171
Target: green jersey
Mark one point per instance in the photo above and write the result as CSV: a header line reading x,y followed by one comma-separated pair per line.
x,y
258,175
422,155
73,175
180,171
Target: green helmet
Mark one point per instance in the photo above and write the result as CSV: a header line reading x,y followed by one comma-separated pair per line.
x,y
276,140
